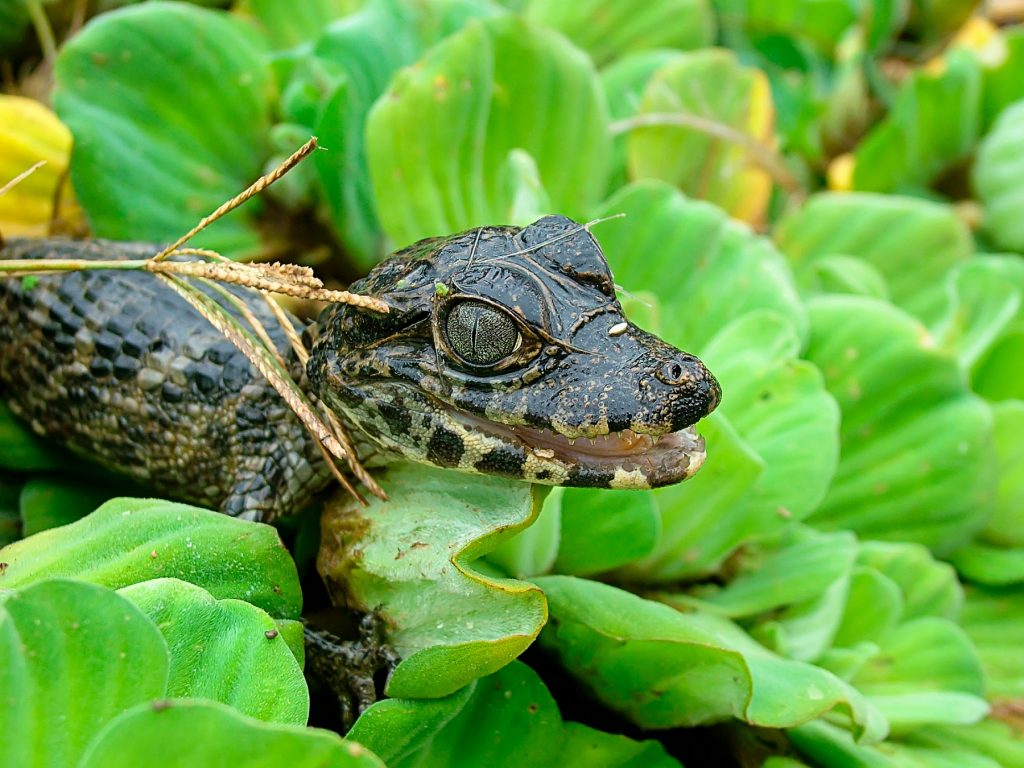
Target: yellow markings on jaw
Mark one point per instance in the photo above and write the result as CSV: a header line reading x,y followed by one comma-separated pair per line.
x,y
633,479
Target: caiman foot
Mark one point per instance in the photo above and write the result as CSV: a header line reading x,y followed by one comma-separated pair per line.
x,y
349,668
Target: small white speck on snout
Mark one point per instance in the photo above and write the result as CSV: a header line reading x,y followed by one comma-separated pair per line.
x,y
618,329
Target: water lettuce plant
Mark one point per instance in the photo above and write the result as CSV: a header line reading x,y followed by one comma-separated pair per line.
x,y
821,200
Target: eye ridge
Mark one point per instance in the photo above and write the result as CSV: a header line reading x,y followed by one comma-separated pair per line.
x,y
480,334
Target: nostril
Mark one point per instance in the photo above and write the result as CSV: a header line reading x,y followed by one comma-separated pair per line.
x,y
672,372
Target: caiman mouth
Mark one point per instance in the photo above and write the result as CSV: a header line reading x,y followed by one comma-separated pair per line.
x,y
633,459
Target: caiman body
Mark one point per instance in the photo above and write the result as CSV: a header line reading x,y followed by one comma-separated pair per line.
x,y
504,351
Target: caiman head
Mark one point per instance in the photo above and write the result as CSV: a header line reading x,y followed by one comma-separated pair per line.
x,y
506,352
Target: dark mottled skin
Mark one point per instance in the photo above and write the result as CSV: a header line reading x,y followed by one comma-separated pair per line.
x,y
117,366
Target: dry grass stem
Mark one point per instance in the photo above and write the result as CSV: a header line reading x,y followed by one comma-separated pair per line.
x,y
286,279
21,177
267,364
254,189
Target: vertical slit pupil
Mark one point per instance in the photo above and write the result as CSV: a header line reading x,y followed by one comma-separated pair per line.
x,y
479,333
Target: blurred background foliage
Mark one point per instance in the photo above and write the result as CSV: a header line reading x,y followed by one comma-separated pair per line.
x,y
823,202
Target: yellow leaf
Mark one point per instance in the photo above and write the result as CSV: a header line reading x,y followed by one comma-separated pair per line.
x,y
30,133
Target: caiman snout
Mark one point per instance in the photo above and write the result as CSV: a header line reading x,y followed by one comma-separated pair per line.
x,y
695,383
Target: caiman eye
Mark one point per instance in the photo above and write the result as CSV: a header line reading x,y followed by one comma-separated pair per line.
x,y
481,334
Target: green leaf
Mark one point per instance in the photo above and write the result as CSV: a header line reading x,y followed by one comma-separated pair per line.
x,y
874,605
999,742
624,82
818,22
589,748
131,540
708,255
995,174
204,734
1001,82
936,20
711,92
409,560
847,274
704,519
533,550
933,124
774,459
49,502
607,30
991,565
602,530
288,24
493,87
506,719
169,107
997,375
348,68
925,654
888,232
984,303
72,656
21,450
906,712
224,650
828,745
928,587
916,459
994,620
798,570
1006,524
661,668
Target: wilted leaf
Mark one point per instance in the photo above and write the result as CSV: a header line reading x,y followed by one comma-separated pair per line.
x,y
204,734
172,101
493,87
131,540
224,650
409,559
72,656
